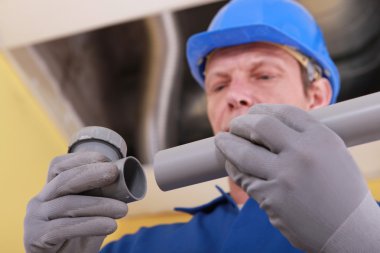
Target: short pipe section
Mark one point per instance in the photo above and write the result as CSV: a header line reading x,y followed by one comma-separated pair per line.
x,y
131,184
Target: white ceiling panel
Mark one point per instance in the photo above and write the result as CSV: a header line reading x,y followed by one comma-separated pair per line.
x,y
28,22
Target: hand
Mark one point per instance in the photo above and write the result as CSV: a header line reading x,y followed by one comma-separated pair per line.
x,y
60,220
299,172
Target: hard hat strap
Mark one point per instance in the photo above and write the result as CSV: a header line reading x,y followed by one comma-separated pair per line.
x,y
314,71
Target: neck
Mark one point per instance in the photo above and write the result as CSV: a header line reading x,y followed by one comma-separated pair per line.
x,y
237,193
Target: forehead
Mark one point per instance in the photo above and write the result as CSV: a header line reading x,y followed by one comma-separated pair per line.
x,y
250,53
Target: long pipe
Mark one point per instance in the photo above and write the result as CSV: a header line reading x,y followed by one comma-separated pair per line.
x,y
356,121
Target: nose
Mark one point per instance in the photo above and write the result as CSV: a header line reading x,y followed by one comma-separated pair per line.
x,y
239,97
238,103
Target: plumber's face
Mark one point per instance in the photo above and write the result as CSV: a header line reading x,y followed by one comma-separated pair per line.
x,y
237,78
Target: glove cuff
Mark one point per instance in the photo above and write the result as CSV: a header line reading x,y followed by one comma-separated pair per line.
x,y
360,232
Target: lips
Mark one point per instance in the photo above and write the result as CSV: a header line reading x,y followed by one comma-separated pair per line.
x,y
233,115
226,128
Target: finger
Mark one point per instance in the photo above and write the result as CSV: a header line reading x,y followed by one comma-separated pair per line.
x,y
251,185
80,179
83,206
69,161
241,179
249,158
292,116
263,130
67,228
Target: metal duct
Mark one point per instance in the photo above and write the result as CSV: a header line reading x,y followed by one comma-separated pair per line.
x,y
162,87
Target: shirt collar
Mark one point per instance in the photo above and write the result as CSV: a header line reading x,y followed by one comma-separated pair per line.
x,y
225,198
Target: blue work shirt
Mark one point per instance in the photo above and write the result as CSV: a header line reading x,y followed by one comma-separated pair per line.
x,y
216,227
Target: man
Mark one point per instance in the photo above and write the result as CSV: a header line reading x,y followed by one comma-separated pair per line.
x,y
299,174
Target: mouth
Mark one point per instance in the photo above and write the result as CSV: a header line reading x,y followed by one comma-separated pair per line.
x,y
226,124
223,130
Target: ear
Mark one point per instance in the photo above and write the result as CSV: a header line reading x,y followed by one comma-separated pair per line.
x,y
319,94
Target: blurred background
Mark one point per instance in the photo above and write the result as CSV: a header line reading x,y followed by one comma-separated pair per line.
x,y
121,64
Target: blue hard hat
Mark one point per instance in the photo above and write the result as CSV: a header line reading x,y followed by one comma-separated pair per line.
x,y
283,22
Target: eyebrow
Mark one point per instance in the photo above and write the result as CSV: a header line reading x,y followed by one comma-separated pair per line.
x,y
255,64
217,73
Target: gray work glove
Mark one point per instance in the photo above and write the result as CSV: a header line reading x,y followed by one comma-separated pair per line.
x,y
60,220
302,175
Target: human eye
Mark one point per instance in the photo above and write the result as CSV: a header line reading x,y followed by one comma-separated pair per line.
x,y
263,75
217,87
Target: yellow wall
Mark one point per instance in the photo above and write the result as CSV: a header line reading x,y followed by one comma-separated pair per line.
x,y
374,186
28,140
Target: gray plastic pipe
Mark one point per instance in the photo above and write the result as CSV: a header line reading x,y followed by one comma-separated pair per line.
x,y
356,121
131,183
